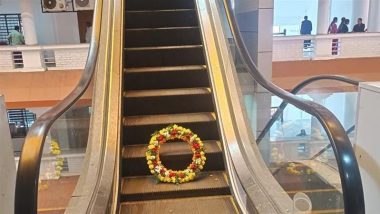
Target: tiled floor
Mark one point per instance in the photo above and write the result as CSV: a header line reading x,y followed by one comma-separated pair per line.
x,y
54,195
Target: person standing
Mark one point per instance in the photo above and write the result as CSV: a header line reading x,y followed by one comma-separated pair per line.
x,y
333,29
359,27
306,28
344,28
342,23
15,37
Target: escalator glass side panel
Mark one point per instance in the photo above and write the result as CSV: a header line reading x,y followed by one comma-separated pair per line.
x,y
63,155
288,148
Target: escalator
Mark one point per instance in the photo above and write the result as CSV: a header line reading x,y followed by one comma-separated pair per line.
x,y
156,63
327,197
166,82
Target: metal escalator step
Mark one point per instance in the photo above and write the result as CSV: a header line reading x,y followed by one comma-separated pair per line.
x,y
196,205
161,18
138,129
147,188
159,4
170,47
169,77
175,155
166,69
144,37
164,56
166,92
168,101
169,119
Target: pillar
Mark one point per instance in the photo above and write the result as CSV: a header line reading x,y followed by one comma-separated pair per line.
x,y
360,9
323,22
7,164
374,16
29,27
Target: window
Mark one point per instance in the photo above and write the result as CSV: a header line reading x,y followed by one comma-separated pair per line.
x,y
20,120
8,23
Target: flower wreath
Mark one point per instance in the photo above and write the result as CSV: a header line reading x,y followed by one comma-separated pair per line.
x,y
173,132
298,169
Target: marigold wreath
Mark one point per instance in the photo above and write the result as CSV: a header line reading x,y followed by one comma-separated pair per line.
x,y
298,169
174,132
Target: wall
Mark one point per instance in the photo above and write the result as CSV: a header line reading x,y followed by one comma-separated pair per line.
x,y
287,74
38,89
7,166
52,28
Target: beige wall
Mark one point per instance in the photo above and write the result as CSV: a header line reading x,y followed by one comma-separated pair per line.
x,y
37,89
288,74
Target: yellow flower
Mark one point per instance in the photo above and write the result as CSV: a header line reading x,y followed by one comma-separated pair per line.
x,y
151,166
151,147
203,158
152,171
149,162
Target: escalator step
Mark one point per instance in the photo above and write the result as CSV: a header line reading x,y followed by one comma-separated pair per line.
x,y
175,155
161,18
159,4
196,205
147,188
166,77
145,37
138,129
164,56
168,101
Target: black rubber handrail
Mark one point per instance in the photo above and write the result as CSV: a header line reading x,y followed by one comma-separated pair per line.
x,y
345,156
351,129
297,89
26,194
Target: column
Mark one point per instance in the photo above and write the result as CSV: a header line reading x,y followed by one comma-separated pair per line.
x,y
28,22
324,7
7,163
360,9
374,16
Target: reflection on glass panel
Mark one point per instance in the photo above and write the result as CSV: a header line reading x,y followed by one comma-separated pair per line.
x,y
291,149
63,157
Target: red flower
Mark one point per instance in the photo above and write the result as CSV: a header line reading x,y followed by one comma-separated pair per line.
x,y
197,155
172,174
173,132
193,166
162,172
155,149
196,146
181,175
160,138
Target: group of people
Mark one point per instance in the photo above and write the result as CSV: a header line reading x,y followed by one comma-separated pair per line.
x,y
307,26
343,26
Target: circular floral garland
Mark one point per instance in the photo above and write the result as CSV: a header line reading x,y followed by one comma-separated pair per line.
x,y
174,132
298,169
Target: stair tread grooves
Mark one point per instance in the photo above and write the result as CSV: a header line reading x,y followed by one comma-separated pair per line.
x,y
167,47
172,149
162,28
166,68
148,184
166,92
219,204
161,10
168,119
